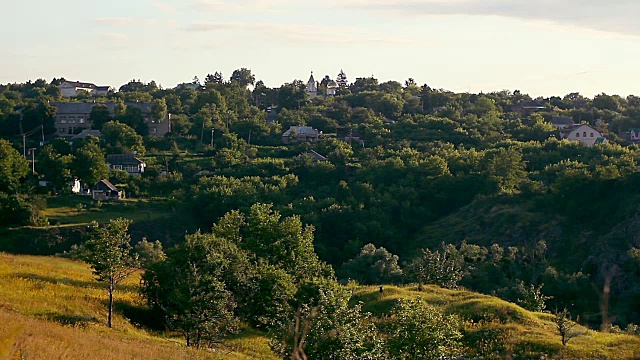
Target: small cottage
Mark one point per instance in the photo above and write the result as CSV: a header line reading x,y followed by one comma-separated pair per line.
x,y
104,190
127,162
300,133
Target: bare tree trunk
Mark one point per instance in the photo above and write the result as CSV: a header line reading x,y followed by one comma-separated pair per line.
x,y
604,303
111,288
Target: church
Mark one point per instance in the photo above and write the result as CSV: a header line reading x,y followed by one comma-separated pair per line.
x,y
312,87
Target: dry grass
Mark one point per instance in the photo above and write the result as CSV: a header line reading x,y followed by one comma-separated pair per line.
x,y
52,308
496,329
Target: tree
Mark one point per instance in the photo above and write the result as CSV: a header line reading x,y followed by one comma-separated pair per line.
x,y
373,266
54,167
566,328
119,138
89,163
134,117
418,331
108,252
441,267
243,77
158,109
99,116
341,80
324,326
216,78
119,109
193,287
13,167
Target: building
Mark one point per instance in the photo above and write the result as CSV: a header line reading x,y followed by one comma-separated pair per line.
x,y
332,86
300,133
73,88
127,162
527,107
73,117
104,190
312,87
583,133
313,155
562,122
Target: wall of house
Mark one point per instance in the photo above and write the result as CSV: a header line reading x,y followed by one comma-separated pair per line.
x,y
68,124
579,135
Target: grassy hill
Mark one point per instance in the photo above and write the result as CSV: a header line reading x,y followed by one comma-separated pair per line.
x,y
496,329
55,309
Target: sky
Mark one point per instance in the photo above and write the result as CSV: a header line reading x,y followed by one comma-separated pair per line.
x,y
542,47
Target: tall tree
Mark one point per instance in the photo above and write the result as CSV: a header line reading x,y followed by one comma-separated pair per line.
x,y
119,138
158,109
89,163
108,252
243,77
13,167
342,79
99,116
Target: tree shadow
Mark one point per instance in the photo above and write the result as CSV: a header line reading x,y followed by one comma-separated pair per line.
x,y
140,316
73,282
69,319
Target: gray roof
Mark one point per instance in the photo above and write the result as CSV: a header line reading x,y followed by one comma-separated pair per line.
x,y
123,159
315,156
561,120
86,133
109,185
80,84
85,107
301,130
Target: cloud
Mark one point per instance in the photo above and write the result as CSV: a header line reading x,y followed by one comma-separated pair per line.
x,y
227,6
164,7
114,20
113,37
617,16
300,34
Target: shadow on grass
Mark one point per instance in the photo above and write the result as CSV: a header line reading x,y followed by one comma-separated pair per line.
x,y
140,316
72,282
69,319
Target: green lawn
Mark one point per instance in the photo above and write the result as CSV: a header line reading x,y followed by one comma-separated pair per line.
x,y
78,209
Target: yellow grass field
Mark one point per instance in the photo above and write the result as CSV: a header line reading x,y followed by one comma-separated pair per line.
x,y
52,308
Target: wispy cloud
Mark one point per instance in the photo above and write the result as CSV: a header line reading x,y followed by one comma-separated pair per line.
x,y
226,6
164,7
300,34
113,37
617,16
114,20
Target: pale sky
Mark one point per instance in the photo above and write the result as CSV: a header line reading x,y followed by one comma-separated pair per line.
x,y
543,47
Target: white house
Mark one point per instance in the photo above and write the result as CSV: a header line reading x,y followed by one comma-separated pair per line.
x,y
587,135
73,88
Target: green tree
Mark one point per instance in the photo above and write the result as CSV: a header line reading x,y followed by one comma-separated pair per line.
x,y
418,331
13,167
119,138
243,77
443,267
158,110
89,163
108,252
373,266
54,167
99,116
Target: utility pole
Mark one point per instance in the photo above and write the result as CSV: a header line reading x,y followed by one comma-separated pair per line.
x,y
212,131
32,151
249,141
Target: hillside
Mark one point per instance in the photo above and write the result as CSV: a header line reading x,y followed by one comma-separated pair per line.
x,y
496,329
55,309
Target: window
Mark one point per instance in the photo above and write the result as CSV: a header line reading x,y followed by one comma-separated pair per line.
x,y
591,134
584,134
70,130
63,121
117,167
62,130
81,121
578,134
72,121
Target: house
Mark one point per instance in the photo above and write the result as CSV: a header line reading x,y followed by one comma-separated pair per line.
x,y
634,134
104,190
332,86
73,117
300,133
73,88
527,107
85,134
583,133
562,122
127,162
315,157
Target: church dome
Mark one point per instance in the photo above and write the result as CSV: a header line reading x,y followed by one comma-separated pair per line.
x,y
332,84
